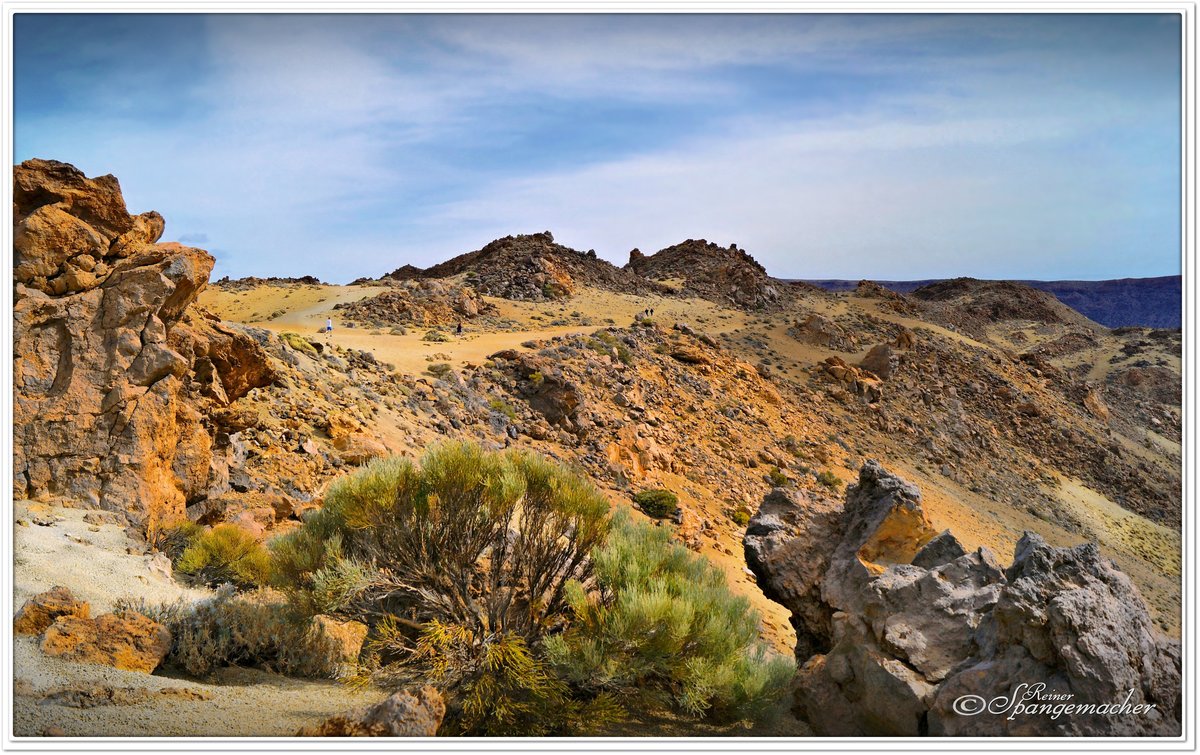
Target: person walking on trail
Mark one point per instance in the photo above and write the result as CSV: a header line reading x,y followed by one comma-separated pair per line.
x,y
458,330
328,324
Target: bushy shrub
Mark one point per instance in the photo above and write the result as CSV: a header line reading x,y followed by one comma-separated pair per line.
x,y
663,629
657,503
829,480
484,541
174,540
439,369
253,629
435,336
225,553
777,477
740,516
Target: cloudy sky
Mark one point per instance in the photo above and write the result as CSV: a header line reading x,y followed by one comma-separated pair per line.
x,y
847,146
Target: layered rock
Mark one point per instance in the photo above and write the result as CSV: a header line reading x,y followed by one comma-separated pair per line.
x,y
114,372
424,303
903,632
128,641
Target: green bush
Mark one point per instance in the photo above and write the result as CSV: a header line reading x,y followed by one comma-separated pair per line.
x,y
225,553
176,539
829,480
503,407
435,336
740,517
537,378
777,477
663,629
299,343
657,503
439,369
251,629
606,342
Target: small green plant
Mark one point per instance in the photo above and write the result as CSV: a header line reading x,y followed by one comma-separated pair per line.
x,y
740,516
226,553
829,479
435,336
255,629
439,369
537,378
503,407
777,477
298,343
657,503
606,342
662,629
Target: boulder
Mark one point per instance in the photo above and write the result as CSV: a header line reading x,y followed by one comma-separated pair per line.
x,y
347,636
404,714
903,632
40,611
881,360
129,641
359,448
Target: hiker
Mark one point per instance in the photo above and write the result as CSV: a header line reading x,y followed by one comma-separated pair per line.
x,y
458,330
328,324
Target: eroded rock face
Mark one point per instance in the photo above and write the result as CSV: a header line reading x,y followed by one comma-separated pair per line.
x,y
114,373
902,631
404,714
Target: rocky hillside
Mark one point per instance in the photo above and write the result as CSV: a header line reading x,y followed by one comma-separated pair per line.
x,y
1118,303
533,268
142,390
726,275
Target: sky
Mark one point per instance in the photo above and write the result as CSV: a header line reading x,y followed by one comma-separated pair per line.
x,y
893,147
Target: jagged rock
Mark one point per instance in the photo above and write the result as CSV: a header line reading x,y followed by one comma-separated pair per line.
x,y
129,641
107,352
550,393
1070,620
423,303
40,611
881,360
786,546
404,714
916,626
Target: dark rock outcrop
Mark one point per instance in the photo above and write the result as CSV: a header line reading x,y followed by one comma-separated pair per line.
x,y
726,275
902,632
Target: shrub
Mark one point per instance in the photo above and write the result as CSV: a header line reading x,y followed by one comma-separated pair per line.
x,y
435,336
439,369
777,477
225,553
299,343
537,378
502,406
460,565
176,539
606,342
829,480
657,503
663,629
252,629
740,516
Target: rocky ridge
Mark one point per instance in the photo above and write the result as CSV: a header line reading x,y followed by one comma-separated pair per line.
x,y
726,275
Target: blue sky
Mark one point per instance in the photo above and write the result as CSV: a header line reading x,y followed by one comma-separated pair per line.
x,y
829,146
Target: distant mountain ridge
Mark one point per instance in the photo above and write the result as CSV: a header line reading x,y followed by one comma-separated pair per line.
x,y
1123,302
